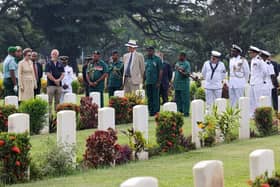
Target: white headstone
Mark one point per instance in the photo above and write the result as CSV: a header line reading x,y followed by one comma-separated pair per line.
x,y
140,182
140,93
140,119
197,114
261,160
66,127
244,121
209,173
70,98
247,90
170,106
18,123
264,101
11,100
119,93
96,98
106,118
45,129
221,104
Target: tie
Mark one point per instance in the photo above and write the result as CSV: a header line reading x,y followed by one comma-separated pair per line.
x,y
35,71
127,72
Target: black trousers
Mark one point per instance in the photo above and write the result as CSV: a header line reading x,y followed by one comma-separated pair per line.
x,y
274,95
163,92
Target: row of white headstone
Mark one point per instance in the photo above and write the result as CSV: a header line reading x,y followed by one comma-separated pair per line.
x,y
210,173
198,112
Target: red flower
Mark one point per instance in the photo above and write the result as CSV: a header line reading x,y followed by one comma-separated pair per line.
x,y
15,149
17,163
265,185
174,135
2,142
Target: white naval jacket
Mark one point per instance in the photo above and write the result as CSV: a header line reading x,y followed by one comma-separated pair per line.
x,y
68,78
258,71
218,75
270,71
239,72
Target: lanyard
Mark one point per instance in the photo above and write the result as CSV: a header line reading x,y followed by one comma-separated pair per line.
x,y
213,69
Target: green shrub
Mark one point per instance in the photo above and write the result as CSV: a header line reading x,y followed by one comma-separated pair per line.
x,y
264,121
5,111
193,89
58,162
75,86
169,130
227,121
14,157
200,93
36,108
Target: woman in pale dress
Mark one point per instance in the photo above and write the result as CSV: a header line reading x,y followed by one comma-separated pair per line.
x,y
26,76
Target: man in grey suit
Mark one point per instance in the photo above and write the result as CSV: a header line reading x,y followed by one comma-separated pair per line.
x,y
134,68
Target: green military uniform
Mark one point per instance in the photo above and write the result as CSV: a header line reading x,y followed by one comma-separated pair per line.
x,y
115,77
153,66
182,87
95,71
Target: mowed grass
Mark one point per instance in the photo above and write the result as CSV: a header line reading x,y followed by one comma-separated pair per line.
x,y
171,170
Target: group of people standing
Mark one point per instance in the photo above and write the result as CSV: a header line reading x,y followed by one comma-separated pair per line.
x,y
261,74
22,75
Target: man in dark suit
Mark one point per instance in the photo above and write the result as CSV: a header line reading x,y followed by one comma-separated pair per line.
x,y
38,70
166,78
274,92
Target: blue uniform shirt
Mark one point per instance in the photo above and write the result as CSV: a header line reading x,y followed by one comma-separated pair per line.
x,y
8,65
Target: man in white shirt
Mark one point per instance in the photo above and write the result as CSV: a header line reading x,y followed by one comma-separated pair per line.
x,y
213,72
258,74
68,78
239,75
268,84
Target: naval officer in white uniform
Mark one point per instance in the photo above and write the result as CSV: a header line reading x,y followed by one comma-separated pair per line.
x,y
257,80
268,84
238,75
213,72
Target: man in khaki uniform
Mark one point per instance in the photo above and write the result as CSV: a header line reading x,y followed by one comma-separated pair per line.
x,y
134,68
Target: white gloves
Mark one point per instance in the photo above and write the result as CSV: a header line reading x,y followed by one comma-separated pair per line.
x,y
15,89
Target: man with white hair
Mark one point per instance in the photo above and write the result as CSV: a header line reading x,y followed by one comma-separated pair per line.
x,y
257,80
134,68
239,75
55,74
213,72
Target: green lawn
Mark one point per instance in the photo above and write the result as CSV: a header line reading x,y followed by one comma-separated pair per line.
x,y
171,170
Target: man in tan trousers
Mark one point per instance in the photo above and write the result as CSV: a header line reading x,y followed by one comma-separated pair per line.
x,y
134,68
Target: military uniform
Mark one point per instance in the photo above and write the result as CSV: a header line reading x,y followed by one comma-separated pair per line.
x,y
115,77
239,76
182,87
153,66
213,74
258,74
8,65
67,82
95,71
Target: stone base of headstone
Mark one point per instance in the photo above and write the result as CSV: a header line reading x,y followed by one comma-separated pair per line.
x,y
144,155
140,182
208,173
140,120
